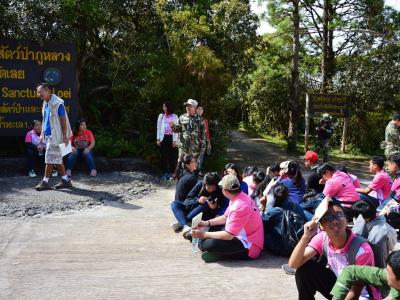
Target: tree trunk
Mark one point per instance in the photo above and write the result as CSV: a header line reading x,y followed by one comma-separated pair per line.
x,y
294,87
328,59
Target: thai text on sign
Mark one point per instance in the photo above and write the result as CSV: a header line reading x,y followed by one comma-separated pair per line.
x,y
335,105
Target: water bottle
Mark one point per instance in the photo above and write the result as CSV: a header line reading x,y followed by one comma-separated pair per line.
x,y
195,245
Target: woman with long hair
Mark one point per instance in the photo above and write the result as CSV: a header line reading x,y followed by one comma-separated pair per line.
x,y
166,140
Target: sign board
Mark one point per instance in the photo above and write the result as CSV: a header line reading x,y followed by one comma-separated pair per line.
x,y
23,65
335,105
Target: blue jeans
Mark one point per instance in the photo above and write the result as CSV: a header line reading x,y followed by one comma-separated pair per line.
x,y
182,215
73,157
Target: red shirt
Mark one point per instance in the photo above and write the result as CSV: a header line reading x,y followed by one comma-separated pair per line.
x,y
82,140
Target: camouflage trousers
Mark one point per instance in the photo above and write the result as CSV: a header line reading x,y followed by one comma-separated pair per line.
x,y
183,152
322,146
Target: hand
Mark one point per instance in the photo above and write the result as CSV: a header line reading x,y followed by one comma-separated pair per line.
x,y
263,200
322,181
173,144
158,143
197,234
202,199
86,151
171,124
201,224
65,140
262,207
310,229
41,138
212,205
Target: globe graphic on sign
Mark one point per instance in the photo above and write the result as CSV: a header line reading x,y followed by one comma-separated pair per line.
x,y
52,76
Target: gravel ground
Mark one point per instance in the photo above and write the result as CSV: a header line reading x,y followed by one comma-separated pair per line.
x,y
18,198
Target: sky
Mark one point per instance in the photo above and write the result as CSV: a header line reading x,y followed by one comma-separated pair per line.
x,y
265,27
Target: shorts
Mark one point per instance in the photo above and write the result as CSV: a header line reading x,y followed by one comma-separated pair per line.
x,y
53,153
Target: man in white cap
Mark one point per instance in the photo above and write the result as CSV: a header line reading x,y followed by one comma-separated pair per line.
x,y
242,236
191,129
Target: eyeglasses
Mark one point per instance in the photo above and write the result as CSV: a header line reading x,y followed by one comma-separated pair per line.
x,y
330,218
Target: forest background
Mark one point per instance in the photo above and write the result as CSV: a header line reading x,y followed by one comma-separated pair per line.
x,y
134,55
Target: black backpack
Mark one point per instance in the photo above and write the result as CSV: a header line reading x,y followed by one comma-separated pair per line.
x,y
292,228
283,231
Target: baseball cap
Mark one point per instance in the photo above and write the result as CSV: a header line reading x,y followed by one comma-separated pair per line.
x,y
284,165
311,156
229,182
191,102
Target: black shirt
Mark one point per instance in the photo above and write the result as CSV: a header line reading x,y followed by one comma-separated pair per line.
x,y
186,182
313,181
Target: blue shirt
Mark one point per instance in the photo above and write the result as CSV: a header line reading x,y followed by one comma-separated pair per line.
x,y
46,117
295,193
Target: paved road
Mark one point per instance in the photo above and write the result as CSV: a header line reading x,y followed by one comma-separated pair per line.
x,y
124,252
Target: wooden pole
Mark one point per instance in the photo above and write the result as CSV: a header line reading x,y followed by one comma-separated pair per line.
x,y
344,135
307,129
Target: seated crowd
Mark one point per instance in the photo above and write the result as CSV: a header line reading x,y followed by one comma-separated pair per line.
x,y
306,219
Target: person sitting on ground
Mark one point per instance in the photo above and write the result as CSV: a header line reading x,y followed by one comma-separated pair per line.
x,y
387,278
338,185
260,181
34,148
186,181
83,143
380,186
279,171
312,183
354,178
337,248
381,236
231,168
272,219
206,197
248,175
390,207
293,180
243,235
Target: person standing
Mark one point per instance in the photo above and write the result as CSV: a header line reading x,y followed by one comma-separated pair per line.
x,y
56,130
324,132
191,129
391,144
166,140
200,112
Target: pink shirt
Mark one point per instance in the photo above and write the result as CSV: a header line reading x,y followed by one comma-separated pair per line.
x,y
380,185
244,222
341,186
355,181
396,186
337,258
33,138
166,120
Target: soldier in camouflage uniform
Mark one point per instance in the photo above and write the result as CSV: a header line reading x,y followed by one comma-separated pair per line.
x,y
324,132
391,144
191,129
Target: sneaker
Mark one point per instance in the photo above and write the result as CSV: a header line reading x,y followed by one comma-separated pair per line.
x,y
42,186
64,184
185,230
54,173
32,174
93,173
188,235
210,257
176,227
68,173
288,270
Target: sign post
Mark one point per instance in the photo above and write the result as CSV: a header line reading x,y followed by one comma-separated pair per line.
x,y
23,65
335,105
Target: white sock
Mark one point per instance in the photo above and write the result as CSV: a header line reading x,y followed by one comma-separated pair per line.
x,y
46,179
65,177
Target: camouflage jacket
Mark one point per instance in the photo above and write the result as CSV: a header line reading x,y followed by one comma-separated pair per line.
x,y
192,134
392,140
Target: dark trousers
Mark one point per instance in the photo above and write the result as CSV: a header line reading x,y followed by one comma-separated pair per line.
x,y
227,248
314,277
168,155
32,156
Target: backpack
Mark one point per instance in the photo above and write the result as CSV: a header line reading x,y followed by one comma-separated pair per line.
x,y
282,232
